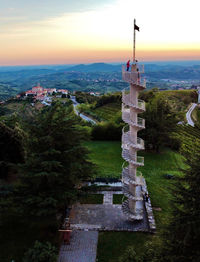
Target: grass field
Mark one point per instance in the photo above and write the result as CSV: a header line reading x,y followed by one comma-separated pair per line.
x,y
107,156
92,199
111,245
118,198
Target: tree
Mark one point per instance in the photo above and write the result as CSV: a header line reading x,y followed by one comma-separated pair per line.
x,y
160,122
56,161
41,252
130,256
107,131
182,235
151,252
11,150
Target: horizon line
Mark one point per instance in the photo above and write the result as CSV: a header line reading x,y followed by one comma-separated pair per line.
x,y
111,63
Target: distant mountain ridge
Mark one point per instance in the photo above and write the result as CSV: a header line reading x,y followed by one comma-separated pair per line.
x,y
95,67
149,67
101,67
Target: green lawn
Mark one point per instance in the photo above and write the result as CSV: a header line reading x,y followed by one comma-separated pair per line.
x,y
156,166
111,245
107,156
118,198
92,199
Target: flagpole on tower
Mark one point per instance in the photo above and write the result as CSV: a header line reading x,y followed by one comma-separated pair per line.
x,y
134,40
135,27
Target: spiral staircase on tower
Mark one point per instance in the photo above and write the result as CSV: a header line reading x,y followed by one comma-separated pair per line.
x,y
131,144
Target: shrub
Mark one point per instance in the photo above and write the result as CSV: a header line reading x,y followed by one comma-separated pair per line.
x,y
107,131
130,256
41,252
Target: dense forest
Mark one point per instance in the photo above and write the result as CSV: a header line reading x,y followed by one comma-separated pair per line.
x,y
43,161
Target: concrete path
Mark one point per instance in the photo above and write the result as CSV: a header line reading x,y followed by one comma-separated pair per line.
x,y
88,219
188,114
82,248
108,198
75,104
105,217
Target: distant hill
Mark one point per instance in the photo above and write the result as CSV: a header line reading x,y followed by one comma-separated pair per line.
x,y
97,77
95,67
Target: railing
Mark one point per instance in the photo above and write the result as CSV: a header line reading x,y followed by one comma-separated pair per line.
x,y
126,139
126,100
127,177
138,161
141,104
127,192
126,171
134,68
140,121
140,142
137,215
126,118
133,77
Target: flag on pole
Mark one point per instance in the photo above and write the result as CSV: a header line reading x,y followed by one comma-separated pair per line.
x,y
136,27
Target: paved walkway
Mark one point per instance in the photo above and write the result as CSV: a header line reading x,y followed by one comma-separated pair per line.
x,y
107,198
87,220
188,115
75,104
82,248
105,217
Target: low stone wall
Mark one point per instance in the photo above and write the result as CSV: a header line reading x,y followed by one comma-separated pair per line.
x,y
148,206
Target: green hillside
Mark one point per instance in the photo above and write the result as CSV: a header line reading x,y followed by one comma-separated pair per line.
x,y
179,100
108,112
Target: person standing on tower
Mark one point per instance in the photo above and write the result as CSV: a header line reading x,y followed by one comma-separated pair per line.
x,y
127,65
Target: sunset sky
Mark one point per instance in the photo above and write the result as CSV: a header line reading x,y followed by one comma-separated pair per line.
x,y
86,31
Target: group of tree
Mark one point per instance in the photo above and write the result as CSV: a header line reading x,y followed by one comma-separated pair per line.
x,y
45,151
160,122
109,98
107,131
11,151
87,98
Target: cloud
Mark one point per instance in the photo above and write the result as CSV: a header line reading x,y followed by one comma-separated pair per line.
x,y
38,10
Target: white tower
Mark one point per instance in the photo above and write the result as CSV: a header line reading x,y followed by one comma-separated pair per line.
x,y
198,88
131,107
